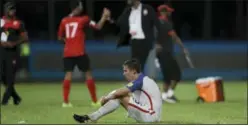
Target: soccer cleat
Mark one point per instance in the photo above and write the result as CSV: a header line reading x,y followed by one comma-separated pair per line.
x,y
81,119
67,105
97,104
17,101
172,99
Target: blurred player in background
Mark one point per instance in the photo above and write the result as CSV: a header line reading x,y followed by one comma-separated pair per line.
x,y
169,66
71,33
13,33
141,97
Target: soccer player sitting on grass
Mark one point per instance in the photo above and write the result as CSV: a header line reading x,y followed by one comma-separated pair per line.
x,y
71,33
141,97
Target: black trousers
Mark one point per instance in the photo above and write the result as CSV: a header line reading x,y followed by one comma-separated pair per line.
x,y
169,66
8,65
140,50
24,63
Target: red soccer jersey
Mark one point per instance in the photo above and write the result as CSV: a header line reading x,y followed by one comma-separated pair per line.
x,y
72,29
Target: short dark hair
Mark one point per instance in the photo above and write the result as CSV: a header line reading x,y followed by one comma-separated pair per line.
x,y
9,6
133,64
75,3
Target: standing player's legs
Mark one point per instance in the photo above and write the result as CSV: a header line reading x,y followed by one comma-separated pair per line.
x,y
1,66
176,74
171,75
140,50
165,70
69,64
9,80
83,63
175,78
16,97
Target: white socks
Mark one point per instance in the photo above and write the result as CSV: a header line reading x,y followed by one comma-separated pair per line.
x,y
109,107
168,94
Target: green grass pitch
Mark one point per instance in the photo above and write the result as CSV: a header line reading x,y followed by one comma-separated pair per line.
x,y
42,105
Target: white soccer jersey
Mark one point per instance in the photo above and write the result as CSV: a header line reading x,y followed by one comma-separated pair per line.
x,y
145,105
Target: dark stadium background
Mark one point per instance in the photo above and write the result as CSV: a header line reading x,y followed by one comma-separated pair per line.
x,y
215,31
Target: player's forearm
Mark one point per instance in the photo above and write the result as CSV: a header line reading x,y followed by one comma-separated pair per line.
x,y
101,23
118,94
23,38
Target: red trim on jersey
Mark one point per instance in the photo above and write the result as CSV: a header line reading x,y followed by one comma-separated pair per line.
x,y
141,109
150,100
166,7
165,18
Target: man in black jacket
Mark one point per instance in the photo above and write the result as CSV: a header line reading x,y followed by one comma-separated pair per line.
x,y
137,23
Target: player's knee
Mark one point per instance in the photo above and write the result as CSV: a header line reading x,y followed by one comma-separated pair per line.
x,y
112,92
68,75
88,75
124,101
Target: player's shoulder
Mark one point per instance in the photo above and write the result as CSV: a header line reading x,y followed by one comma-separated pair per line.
x,y
18,22
64,19
76,18
15,19
148,80
85,18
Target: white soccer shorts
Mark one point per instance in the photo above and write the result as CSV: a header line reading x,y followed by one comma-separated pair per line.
x,y
141,113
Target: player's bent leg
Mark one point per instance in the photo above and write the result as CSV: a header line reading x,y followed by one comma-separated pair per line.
x,y
141,112
107,108
66,89
124,102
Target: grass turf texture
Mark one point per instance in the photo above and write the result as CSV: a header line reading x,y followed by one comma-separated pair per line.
x,y
42,105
